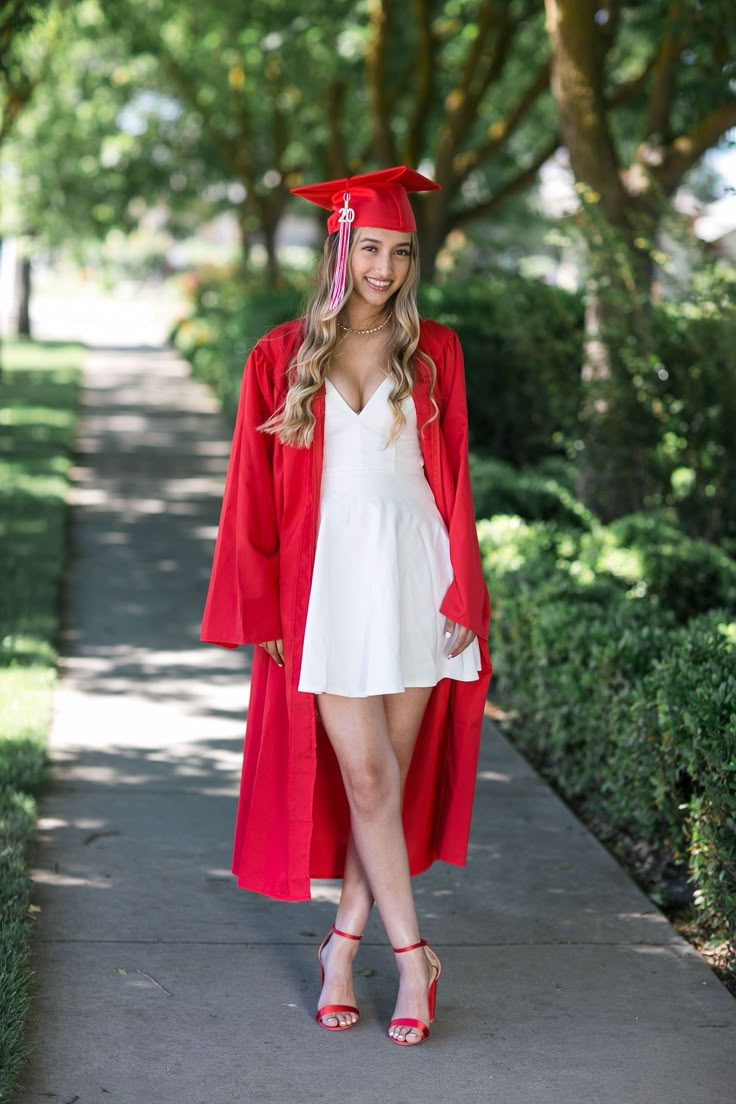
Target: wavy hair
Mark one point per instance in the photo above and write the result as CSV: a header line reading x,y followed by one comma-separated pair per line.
x,y
293,422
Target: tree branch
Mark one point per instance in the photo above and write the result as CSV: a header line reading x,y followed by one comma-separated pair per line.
x,y
665,66
499,57
577,87
686,149
622,92
425,73
335,148
516,184
380,12
500,131
459,105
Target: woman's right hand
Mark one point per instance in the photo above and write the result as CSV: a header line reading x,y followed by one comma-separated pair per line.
x,y
275,649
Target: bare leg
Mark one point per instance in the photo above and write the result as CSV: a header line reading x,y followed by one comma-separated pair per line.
x,y
404,714
373,739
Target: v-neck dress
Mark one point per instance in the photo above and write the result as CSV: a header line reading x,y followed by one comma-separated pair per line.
x,y
382,561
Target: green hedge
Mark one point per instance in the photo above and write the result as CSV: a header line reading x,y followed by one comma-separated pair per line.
x,y
39,395
515,333
631,714
499,488
523,344
230,312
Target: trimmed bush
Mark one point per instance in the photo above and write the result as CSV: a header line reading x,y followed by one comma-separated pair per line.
x,y
630,715
522,344
687,576
230,312
499,488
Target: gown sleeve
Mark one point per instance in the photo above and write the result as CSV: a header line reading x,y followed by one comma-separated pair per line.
x,y
242,605
466,601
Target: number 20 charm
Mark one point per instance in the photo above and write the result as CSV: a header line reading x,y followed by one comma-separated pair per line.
x,y
347,213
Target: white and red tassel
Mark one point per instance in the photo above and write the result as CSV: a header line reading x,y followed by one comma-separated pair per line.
x,y
339,278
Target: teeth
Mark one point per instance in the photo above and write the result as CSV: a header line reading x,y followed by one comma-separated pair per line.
x,y
379,283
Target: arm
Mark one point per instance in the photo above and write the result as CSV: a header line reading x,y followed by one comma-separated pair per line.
x,y
242,604
466,601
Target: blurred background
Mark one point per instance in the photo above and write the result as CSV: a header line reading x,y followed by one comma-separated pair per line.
x,y
583,245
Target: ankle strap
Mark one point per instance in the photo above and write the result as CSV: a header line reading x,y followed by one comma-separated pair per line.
x,y
413,947
345,935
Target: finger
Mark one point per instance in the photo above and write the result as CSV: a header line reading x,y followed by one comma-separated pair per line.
x,y
464,638
273,651
449,627
280,652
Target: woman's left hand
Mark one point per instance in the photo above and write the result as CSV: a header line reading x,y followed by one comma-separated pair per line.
x,y
463,638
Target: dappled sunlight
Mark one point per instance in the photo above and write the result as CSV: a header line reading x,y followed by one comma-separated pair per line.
x,y
493,776
58,879
326,892
650,917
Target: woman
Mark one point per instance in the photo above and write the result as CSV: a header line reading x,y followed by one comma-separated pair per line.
x,y
347,551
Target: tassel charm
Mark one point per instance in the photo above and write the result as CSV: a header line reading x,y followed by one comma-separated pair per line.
x,y
339,279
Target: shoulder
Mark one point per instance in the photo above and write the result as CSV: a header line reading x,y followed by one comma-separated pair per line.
x,y
281,340
442,344
435,338
272,354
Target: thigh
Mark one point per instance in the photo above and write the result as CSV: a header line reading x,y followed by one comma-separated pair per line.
x,y
404,714
358,730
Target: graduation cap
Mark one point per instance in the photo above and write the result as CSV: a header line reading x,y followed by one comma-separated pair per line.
x,y
377,199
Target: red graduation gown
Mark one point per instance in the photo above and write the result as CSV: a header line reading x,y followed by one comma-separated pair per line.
x,y
293,819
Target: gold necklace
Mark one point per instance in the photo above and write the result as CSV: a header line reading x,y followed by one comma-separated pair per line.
x,y
373,329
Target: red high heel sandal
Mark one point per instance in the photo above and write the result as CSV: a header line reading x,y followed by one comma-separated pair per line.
x,y
332,1009
419,1025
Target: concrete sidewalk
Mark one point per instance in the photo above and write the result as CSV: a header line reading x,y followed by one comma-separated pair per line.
x,y
161,983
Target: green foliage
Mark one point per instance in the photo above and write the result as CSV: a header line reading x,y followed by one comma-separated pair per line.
x,y
522,343
687,576
230,312
17,824
685,718
499,488
695,400
39,393
512,417
629,714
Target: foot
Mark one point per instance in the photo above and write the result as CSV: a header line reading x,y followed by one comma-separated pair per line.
x,y
337,961
416,971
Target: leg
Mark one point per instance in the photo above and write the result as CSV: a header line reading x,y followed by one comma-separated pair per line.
x,y
404,714
374,756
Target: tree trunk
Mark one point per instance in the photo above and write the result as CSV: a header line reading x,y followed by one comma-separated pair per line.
x,y
273,272
618,427
245,235
24,303
431,217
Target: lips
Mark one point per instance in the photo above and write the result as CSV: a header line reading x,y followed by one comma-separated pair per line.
x,y
378,285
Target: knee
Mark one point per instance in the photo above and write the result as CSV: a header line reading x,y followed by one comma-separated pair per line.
x,y
373,786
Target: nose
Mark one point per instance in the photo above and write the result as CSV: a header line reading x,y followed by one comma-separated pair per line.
x,y
384,265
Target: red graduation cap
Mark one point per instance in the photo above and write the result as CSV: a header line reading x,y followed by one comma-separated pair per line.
x,y
377,199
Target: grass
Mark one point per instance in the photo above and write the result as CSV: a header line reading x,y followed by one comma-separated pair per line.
x,y
39,392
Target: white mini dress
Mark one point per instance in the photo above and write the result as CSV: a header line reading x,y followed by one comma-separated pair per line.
x,y
382,561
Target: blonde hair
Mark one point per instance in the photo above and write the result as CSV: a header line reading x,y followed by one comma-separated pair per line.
x,y
294,421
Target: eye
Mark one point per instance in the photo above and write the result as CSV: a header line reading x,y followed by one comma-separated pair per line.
x,y
403,252
369,249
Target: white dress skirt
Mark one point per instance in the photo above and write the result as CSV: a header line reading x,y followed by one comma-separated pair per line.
x,y
382,562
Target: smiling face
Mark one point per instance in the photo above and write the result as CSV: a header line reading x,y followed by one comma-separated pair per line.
x,y
379,263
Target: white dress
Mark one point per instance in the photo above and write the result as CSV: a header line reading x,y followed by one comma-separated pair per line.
x,y
382,562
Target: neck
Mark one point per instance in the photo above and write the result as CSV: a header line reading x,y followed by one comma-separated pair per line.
x,y
361,316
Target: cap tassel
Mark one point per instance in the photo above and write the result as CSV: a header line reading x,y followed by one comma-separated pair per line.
x,y
345,220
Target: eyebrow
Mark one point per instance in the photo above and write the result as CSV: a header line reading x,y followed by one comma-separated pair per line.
x,y
377,241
